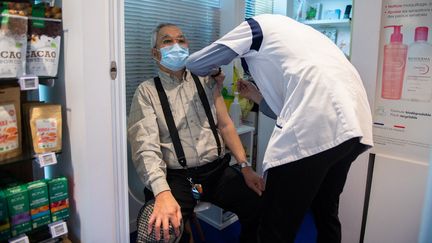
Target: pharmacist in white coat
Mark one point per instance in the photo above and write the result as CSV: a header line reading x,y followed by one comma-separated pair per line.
x,y
323,118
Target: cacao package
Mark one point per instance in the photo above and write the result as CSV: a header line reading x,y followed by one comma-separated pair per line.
x,y
13,38
46,128
44,39
10,123
25,123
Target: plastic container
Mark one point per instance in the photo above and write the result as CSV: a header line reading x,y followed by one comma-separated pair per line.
x,y
395,54
235,111
418,76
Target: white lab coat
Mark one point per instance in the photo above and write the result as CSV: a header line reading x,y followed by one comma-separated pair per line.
x,y
308,82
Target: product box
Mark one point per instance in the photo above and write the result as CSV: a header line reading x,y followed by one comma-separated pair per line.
x,y
39,203
19,210
4,218
59,198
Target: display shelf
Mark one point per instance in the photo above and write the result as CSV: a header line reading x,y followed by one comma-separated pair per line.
x,y
24,157
47,81
25,168
43,235
328,22
18,159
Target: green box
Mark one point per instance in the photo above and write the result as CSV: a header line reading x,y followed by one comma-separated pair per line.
x,y
19,210
39,203
4,218
59,198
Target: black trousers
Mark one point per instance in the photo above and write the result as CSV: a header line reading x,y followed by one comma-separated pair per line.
x,y
316,183
224,187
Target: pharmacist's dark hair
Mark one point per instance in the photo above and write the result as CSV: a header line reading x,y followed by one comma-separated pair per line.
x,y
156,31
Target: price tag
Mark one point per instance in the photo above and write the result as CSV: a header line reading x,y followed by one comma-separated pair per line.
x,y
58,228
28,82
20,239
47,159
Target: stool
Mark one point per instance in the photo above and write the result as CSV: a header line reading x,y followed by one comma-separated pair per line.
x,y
201,206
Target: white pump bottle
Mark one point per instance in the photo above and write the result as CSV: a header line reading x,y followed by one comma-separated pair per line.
x,y
235,111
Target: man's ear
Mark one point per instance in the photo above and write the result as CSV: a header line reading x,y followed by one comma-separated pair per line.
x,y
155,53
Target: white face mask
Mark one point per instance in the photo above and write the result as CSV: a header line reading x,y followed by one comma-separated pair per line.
x,y
174,57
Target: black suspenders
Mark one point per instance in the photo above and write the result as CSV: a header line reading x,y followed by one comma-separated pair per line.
x,y
170,120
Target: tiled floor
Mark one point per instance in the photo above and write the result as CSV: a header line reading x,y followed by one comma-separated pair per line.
x,y
307,233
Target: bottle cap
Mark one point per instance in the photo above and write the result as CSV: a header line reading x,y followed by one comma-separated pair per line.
x,y
397,36
421,33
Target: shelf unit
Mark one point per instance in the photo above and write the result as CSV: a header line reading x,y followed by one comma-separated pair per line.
x,y
325,23
333,25
25,167
214,215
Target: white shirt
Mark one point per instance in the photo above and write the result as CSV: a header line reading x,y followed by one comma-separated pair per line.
x,y
306,80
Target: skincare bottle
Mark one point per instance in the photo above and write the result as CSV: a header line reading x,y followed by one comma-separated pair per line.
x,y
395,54
418,78
235,111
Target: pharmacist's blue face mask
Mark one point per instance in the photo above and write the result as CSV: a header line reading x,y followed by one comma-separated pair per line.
x,y
174,57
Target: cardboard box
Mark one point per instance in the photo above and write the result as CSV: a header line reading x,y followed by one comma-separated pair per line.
x,y
39,203
19,210
59,198
4,218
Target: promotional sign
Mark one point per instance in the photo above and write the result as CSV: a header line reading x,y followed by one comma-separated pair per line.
x,y
403,102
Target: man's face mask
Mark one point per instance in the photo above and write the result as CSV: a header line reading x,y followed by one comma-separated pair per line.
x,y
174,57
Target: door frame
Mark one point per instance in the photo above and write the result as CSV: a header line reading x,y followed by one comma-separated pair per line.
x,y
119,144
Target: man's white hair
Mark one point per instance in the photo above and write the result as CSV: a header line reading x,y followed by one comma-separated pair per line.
x,y
156,31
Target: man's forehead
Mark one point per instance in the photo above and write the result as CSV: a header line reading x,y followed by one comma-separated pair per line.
x,y
170,32
164,36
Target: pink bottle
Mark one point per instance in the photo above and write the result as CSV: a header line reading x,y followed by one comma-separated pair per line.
x,y
395,54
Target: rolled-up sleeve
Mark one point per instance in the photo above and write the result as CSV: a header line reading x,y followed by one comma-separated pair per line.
x,y
143,135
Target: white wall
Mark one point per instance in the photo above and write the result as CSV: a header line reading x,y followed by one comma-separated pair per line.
x,y
396,203
425,234
280,7
364,56
84,88
398,186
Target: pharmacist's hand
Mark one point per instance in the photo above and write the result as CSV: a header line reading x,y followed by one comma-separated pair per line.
x,y
249,90
166,210
253,180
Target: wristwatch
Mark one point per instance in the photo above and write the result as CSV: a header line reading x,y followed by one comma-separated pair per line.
x,y
244,164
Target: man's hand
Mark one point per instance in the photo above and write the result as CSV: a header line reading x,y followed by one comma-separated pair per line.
x,y
219,78
166,210
253,180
